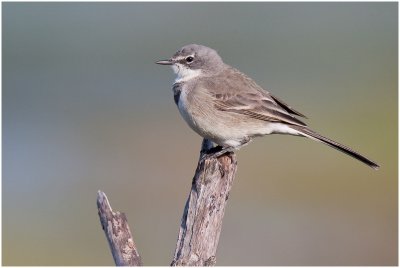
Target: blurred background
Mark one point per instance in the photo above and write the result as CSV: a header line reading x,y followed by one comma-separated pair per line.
x,y
85,108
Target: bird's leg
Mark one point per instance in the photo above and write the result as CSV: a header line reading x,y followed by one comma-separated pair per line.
x,y
219,150
216,152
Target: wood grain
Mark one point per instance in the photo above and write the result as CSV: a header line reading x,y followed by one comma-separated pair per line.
x,y
201,222
116,229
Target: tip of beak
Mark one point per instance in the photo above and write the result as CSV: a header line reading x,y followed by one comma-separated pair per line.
x,y
164,62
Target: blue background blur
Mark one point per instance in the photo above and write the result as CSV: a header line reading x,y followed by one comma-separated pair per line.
x,y
86,108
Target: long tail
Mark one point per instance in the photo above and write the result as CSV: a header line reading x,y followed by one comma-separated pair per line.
x,y
304,131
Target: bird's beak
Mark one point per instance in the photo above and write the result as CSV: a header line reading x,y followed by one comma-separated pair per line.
x,y
165,62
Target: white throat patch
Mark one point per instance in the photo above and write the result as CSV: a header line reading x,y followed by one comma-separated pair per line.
x,y
183,73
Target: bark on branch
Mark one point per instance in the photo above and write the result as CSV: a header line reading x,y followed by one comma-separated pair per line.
x,y
201,222
202,217
116,228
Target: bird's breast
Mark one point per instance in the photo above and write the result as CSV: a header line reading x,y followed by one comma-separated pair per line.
x,y
181,100
196,108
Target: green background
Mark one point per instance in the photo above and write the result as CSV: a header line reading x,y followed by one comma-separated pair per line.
x,y
85,108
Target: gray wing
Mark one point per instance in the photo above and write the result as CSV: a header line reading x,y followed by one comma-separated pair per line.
x,y
246,97
286,107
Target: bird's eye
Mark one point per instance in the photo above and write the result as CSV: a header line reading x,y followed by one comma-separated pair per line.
x,y
189,59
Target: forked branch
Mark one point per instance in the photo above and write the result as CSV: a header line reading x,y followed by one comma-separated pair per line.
x,y
201,222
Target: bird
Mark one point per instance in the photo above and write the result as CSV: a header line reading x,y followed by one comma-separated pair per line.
x,y
229,108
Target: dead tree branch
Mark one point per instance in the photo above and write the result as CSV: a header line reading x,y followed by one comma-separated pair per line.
x,y
202,217
201,222
116,228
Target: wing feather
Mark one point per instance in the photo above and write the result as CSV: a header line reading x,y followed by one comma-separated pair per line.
x,y
261,110
233,91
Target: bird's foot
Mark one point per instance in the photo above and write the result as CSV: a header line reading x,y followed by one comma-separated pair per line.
x,y
216,152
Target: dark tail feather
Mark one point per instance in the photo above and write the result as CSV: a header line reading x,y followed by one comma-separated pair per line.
x,y
315,136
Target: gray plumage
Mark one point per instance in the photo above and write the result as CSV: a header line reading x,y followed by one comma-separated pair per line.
x,y
227,107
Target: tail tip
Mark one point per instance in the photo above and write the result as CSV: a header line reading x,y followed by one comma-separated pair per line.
x,y
374,166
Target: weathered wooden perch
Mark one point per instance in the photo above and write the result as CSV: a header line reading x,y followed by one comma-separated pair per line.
x,y
202,217
116,228
201,222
